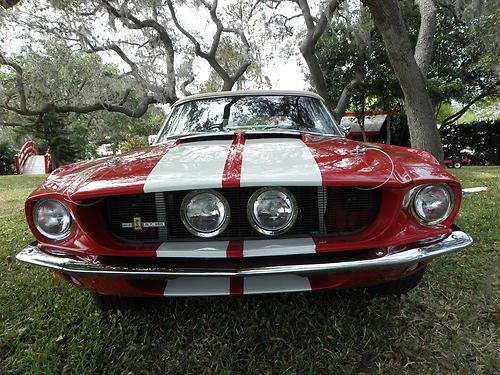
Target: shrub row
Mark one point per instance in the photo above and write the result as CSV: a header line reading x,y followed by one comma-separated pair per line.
x,y
481,137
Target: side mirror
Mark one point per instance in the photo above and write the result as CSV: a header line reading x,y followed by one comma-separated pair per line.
x,y
345,130
151,139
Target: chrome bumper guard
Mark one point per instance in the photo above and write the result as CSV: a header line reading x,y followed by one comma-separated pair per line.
x,y
408,258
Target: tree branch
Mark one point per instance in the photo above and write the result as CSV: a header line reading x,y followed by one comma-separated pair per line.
x,y
345,96
428,24
184,84
211,56
12,124
6,4
19,79
308,45
132,22
454,117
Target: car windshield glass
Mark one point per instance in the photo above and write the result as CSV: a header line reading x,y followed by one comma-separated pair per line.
x,y
248,113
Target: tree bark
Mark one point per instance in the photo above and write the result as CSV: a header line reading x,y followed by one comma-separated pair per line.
x,y
428,24
424,133
315,29
388,129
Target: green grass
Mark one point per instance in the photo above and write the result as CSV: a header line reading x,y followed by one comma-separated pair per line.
x,y
447,325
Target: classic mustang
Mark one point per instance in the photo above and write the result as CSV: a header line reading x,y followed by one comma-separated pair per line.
x,y
244,193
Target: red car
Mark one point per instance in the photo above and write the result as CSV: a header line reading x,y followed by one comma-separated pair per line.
x,y
244,193
456,162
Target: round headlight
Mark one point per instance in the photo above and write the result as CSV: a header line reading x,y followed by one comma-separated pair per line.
x,y
272,210
205,213
52,219
432,204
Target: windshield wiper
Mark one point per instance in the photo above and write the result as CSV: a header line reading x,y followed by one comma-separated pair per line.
x,y
177,136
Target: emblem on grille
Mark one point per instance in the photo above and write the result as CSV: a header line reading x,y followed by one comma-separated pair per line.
x,y
137,224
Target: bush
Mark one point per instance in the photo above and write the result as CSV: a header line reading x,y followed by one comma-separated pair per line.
x,y
134,142
7,154
482,137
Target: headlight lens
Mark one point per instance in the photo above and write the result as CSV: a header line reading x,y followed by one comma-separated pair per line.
x,y
205,213
52,219
432,204
272,211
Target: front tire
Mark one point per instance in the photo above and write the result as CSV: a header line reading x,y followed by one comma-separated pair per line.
x,y
113,303
397,287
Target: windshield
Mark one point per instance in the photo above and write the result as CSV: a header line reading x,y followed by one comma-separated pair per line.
x,y
248,113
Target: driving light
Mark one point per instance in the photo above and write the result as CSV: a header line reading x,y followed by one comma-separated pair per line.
x,y
272,210
52,219
205,213
432,204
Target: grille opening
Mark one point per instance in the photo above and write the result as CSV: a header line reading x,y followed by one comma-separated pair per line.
x,y
323,211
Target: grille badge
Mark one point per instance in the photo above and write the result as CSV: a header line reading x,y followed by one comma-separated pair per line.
x,y
138,224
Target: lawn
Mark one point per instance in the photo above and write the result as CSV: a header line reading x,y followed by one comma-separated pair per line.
x,y
447,325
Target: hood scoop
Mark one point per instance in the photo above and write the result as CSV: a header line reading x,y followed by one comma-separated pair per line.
x,y
273,135
231,136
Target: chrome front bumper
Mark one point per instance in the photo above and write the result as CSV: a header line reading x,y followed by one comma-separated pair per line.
x,y
408,258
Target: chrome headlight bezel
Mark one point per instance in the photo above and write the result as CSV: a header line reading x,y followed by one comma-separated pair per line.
x,y
36,222
419,190
255,222
196,231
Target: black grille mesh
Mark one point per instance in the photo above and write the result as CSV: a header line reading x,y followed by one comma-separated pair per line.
x,y
323,211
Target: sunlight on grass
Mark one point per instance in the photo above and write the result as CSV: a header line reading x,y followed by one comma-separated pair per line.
x,y
447,325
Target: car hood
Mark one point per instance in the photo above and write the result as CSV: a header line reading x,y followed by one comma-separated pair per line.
x,y
234,160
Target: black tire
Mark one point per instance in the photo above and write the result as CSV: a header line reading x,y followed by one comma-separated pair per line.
x,y
112,303
457,165
397,287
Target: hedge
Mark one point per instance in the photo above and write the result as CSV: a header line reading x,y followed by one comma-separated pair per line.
x,y
482,137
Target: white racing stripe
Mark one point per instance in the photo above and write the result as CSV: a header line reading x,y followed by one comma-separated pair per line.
x,y
208,249
251,248
278,162
220,286
275,284
289,246
196,165
197,286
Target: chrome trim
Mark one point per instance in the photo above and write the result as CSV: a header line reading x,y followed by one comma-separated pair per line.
x,y
403,259
161,215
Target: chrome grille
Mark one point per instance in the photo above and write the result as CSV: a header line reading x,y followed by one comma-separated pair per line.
x,y
323,211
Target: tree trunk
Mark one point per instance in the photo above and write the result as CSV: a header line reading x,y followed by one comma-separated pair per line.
x,y
388,129
428,24
424,133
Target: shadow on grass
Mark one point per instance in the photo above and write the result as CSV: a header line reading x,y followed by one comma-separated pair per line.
x,y
280,331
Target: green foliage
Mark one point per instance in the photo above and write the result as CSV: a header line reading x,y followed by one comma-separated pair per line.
x,y
483,137
7,154
59,75
134,142
464,61
127,133
65,136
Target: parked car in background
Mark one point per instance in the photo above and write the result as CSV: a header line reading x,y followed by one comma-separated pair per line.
x,y
245,193
457,161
